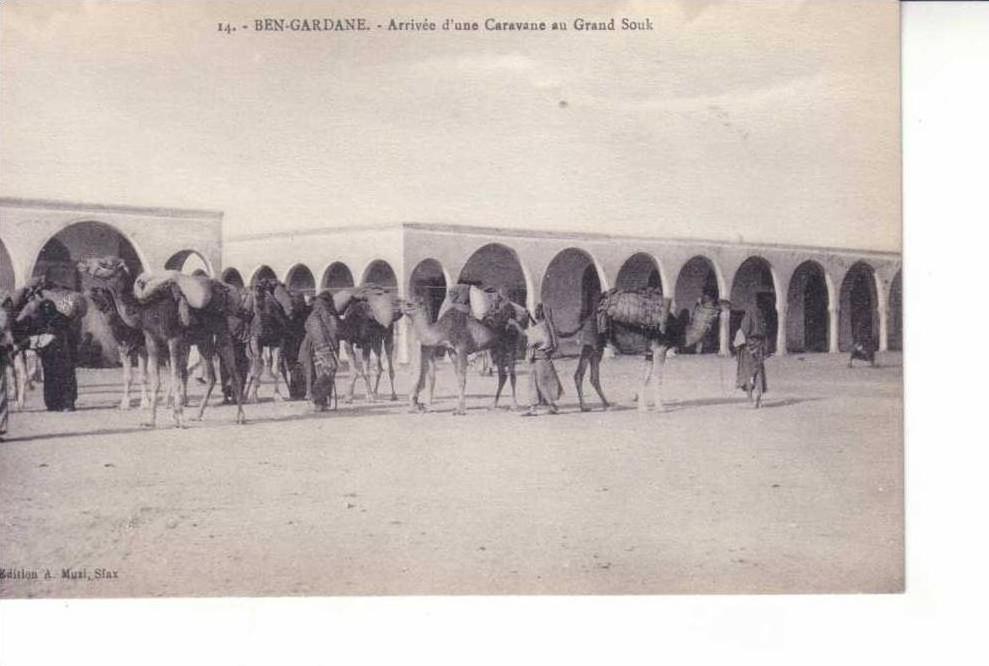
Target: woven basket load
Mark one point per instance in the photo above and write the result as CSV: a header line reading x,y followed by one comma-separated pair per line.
x,y
642,308
701,320
484,301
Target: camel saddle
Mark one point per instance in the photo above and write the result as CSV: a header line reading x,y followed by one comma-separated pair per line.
x,y
642,308
195,289
383,305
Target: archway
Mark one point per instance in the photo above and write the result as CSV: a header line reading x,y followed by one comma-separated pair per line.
x,y
263,273
428,283
807,305
498,266
232,276
571,287
57,262
380,273
76,242
697,278
7,277
859,311
753,287
189,262
894,337
300,280
337,276
639,270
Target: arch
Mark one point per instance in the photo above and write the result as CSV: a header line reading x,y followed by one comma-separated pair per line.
x,y
232,276
57,259
189,262
337,276
858,312
428,282
301,280
379,272
754,286
808,305
640,270
699,276
894,337
498,266
58,256
7,277
263,273
571,286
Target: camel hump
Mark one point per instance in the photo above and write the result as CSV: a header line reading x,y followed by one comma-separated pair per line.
x,y
196,289
643,308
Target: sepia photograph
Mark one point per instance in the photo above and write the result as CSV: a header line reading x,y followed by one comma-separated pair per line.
x,y
336,299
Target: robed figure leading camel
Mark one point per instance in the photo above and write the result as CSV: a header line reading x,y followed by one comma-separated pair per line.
x,y
458,332
171,322
639,321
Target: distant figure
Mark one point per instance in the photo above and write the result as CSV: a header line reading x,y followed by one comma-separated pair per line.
x,y
863,345
544,383
6,350
57,360
750,343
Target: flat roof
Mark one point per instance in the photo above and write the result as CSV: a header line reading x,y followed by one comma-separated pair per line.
x,y
471,230
53,204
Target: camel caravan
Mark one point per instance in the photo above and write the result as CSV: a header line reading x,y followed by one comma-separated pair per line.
x,y
266,330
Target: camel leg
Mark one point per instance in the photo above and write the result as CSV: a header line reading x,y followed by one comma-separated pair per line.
x,y
207,353
142,368
596,378
125,362
414,404
431,375
658,362
371,393
578,377
502,376
154,367
461,365
20,379
512,381
642,398
276,363
390,357
179,372
357,371
228,358
254,374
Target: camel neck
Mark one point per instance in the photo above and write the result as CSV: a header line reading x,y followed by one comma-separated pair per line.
x,y
124,301
428,334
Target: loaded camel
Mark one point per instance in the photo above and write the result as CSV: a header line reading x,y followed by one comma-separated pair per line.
x,y
638,321
272,309
170,324
458,332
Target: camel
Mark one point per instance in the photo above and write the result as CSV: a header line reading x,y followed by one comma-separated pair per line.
x,y
270,329
460,333
651,329
130,343
361,335
170,325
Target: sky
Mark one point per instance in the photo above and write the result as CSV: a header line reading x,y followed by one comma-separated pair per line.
x,y
743,121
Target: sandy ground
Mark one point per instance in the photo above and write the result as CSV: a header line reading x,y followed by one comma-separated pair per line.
x,y
804,495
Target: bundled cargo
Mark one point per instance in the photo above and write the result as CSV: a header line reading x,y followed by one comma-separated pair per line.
x,y
194,288
642,308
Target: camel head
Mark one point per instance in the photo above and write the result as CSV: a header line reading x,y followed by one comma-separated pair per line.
x,y
106,269
412,308
274,293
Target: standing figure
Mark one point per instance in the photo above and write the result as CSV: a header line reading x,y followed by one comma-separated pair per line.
x,y
6,350
544,383
750,342
319,351
592,344
57,359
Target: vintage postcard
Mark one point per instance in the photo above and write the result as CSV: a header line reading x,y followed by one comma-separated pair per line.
x,y
450,298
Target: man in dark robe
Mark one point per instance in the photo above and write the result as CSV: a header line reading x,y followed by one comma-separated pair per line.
x,y
58,360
